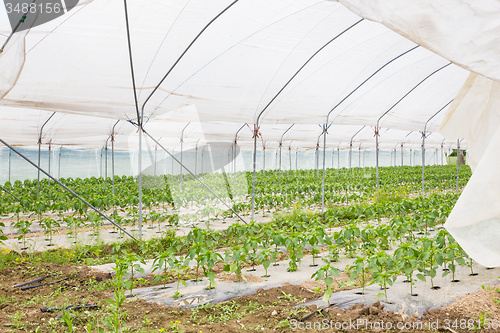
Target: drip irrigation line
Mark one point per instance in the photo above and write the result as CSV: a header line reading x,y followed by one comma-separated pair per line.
x,y
35,280
139,120
9,192
183,53
21,21
44,284
67,189
196,177
69,307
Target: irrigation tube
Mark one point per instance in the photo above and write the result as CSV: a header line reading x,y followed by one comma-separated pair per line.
x,y
342,100
39,151
67,189
386,112
423,143
196,177
256,125
280,146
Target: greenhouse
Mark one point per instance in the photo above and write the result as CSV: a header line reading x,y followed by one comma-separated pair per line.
x,y
218,166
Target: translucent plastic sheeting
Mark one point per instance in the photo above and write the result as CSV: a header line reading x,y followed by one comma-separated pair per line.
x,y
236,66
467,33
23,127
475,220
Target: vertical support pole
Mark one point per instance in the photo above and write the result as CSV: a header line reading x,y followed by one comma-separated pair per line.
x,y
38,180
423,161
202,159
290,157
402,159
458,165
140,180
10,161
333,151
325,128
182,141
39,148
59,162
296,158
338,158
113,160
106,166
255,133
376,161
264,156
196,160
350,159
279,178
154,169
50,152
100,163
180,167
317,163
173,161
113,155
442,157
359,156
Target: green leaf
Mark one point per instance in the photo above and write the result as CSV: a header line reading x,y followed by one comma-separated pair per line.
x,y
328,281
328,293
421,277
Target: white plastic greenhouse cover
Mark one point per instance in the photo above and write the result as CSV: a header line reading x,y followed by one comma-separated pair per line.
x,y
78,66
468,33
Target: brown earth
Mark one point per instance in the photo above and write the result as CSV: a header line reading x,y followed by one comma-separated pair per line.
x,y
266,311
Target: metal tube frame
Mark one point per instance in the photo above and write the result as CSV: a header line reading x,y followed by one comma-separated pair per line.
x,y
67,189
424,136
280,146
196,177
39,152
350,150
377,128
182,141
257,122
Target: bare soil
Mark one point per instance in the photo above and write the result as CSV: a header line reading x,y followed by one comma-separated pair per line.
x,y
268,310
